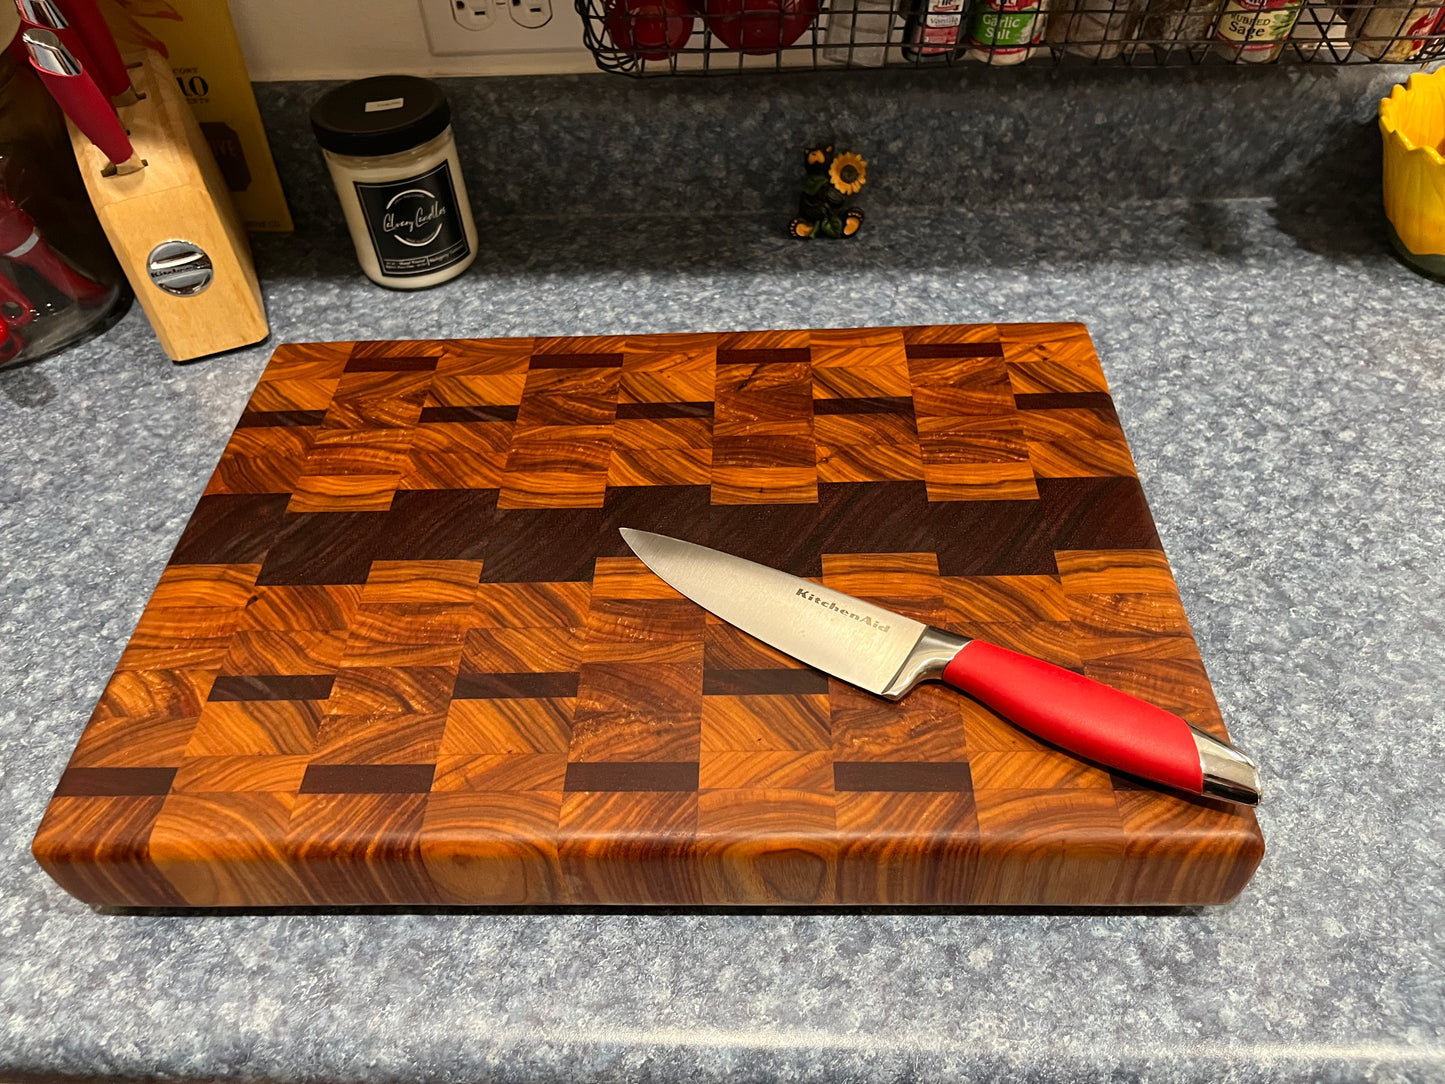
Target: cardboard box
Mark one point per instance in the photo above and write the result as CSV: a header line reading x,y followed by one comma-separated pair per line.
x,y
199,41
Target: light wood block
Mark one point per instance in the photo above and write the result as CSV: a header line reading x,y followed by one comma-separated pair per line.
x,y
179,195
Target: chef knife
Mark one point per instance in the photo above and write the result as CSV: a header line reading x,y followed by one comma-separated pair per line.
x,y
83,102
887,654
108,67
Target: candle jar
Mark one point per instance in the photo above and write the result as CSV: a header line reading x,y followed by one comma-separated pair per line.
x,y
389,147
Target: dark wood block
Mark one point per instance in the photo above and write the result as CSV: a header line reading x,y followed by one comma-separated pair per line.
x,y
401,655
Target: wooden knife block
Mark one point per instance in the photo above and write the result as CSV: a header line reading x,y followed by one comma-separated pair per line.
x,y
180,195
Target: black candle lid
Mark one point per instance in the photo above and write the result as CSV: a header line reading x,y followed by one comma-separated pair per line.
x,y
385,114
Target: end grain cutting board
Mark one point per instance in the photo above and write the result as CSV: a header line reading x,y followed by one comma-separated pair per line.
x,y
402,656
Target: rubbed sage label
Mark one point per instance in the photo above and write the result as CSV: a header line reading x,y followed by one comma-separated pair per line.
x,y
415,226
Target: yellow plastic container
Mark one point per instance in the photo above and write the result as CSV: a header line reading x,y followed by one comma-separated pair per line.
x,y
1412,122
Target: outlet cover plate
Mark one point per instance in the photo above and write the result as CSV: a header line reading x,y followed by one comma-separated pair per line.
x,y
500,32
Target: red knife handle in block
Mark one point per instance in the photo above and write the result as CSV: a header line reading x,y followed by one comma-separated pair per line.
x,y
107,68
1096,721
90,109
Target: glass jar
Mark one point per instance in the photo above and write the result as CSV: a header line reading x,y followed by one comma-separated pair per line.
x,y
389,148
59,281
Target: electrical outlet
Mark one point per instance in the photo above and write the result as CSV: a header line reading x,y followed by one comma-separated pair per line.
x,y
472,14
531,14
463,27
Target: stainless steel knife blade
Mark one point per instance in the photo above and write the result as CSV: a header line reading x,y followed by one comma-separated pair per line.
x,y
863,644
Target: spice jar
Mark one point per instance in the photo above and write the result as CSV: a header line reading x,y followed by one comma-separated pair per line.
x,y
388,144
1255,30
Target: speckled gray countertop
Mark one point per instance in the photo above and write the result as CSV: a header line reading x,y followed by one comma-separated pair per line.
x,y
1280,376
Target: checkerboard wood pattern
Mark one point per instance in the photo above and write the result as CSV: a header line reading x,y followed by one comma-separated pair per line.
x,y
402,656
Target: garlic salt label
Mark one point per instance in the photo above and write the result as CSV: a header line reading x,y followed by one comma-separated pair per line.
x,y
414,225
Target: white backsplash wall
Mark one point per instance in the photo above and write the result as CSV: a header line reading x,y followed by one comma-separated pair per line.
x,y
345,39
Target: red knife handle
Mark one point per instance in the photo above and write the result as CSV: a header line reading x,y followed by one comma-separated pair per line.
x,y
20,241
1081,715
90,109
109,69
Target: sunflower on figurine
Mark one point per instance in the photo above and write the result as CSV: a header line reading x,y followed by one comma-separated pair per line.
x,y
829,180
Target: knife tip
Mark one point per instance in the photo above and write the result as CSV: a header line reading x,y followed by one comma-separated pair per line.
x,y
642,542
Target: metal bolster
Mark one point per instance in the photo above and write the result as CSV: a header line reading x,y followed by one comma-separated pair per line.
x,y
1228,773
933,651
46,48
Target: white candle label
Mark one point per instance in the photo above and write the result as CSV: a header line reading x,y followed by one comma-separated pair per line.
x,y
414,224
383,106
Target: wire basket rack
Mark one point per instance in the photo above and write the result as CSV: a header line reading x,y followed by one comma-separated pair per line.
x,y
720,37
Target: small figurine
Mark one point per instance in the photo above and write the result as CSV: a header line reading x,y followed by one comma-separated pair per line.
x,y
829,180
